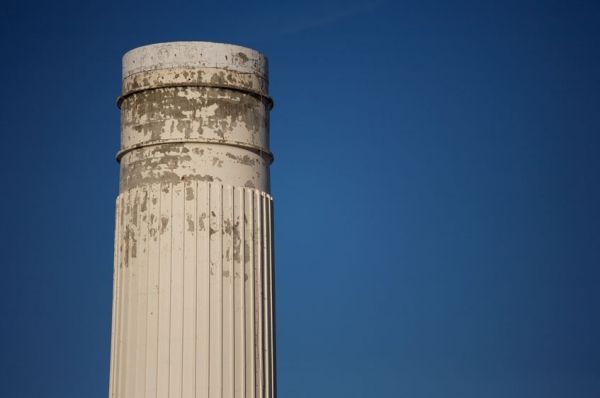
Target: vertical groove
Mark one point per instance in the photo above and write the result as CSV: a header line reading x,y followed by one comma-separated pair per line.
x,y
208,285
114,330
124,310
208,211
183,263
169,340
158,234
226,328
133,292
264,298
258,300
216,305
231,299
141,268
232,283
269,282
153,254
188,349
197,271
242,276
147,201
121,315
238,296
116,369
176,289
251,301
158,291
183,298
220,276
164,335
272,303
133,296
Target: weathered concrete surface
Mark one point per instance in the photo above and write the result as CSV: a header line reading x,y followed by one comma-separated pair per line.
x,y
208,101
193,298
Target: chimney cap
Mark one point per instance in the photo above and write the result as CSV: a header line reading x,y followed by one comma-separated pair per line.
x,y
194,54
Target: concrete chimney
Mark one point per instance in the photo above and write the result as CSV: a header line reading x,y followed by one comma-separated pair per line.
x,y
193,275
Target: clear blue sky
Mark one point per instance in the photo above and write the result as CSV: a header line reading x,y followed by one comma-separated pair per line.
x,y
437,187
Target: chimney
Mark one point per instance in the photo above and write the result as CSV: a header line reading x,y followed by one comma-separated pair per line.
x,y
193,269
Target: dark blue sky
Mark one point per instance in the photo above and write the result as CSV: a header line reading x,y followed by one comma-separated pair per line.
x,y
436,186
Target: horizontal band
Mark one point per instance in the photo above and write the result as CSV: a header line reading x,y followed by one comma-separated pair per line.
x,y
187,75
262,152
268,100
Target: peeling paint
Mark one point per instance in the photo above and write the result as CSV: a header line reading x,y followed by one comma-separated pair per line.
x,y
190,223
164,222
172,162
189,193
201,219
237,241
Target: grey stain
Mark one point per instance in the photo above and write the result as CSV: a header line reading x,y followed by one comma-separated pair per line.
x,y
237,242
134,217
243,57
217,162
153,113
190,223
227,227
189,193
201,219
247,257
164,222
145,202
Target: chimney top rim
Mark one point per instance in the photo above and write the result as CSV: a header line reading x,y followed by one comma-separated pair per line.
x,y
194,54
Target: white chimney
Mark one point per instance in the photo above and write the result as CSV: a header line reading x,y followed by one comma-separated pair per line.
x,y
193,276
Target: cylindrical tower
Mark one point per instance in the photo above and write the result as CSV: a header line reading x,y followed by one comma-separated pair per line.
x,y
193,276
